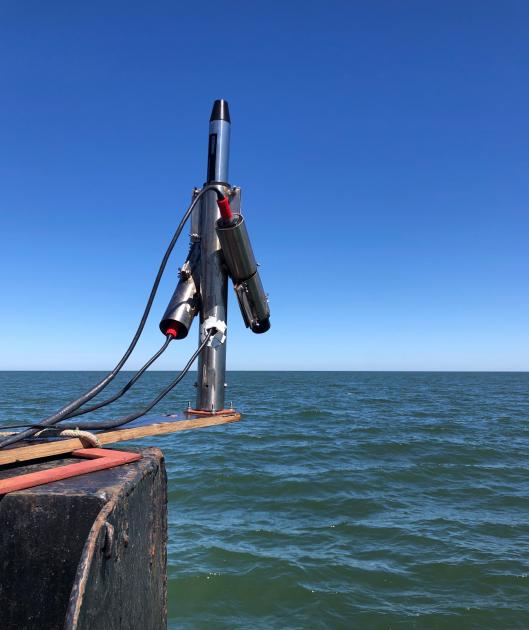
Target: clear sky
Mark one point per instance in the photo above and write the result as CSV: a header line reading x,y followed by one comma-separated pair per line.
x,y
382,147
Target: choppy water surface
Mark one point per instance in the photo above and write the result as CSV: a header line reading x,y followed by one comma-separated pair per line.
x,y
343,500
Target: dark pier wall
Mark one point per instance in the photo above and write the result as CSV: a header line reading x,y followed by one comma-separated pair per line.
x,y
88,552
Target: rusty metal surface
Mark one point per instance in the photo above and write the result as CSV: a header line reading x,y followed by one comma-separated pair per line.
x,y
121,579
86,552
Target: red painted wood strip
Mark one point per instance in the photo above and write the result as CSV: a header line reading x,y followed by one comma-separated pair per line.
x,y
99,459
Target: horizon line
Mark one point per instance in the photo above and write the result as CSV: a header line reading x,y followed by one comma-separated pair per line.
x,y
411,371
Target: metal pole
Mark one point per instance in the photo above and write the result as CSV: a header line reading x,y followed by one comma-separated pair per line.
x,y
213,275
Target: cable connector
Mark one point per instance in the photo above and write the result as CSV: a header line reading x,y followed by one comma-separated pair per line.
x,y
225,210
172,332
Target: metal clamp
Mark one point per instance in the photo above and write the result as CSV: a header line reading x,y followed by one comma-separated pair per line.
x,y
220,336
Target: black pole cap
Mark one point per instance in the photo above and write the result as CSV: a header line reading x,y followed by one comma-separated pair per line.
x,y
220,111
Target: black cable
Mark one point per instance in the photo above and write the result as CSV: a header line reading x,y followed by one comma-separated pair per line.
x,y
139,373
110,424
113,398
65,411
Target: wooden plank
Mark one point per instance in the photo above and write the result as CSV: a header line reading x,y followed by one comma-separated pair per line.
x,y
61,447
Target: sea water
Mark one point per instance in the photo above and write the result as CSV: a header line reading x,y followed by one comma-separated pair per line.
x,y
342,499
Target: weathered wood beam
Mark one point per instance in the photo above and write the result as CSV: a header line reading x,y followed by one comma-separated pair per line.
x,y
61,447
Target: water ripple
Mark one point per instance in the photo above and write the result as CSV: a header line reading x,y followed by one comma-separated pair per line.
x,y
343,500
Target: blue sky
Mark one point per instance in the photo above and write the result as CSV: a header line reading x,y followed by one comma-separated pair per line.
x,y
382,148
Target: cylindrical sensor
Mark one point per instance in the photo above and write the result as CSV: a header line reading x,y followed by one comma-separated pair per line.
x,y
185,303
242,268
253,304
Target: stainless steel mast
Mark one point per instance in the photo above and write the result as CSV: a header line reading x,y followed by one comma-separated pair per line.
x,y
213,276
